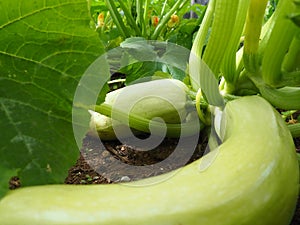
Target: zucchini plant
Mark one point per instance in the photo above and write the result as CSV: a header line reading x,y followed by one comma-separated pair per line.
x,y
251,178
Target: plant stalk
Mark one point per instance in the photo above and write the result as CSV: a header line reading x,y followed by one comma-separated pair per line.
x,y
129,18
295,130
221,33
145,18
229,65
283,32
117,18
253,28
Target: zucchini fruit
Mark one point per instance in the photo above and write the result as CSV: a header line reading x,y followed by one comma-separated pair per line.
x,y
163,98
251,178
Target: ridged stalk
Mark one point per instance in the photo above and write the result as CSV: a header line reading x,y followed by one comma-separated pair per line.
x,y
278,44
145,18
253,28
221,17
129,18
292,58
222,31
200,39
229,66
198,45
295,130
117,18
287,98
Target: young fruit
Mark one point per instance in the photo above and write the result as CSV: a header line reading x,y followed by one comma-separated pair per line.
x,y
163,98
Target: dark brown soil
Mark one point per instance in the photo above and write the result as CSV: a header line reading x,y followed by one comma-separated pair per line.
x,y
101,164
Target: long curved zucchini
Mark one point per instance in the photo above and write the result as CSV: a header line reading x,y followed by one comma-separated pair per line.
x,y
252,178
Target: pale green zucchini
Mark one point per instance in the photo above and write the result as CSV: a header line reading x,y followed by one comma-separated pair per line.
x,y
163,98
251,179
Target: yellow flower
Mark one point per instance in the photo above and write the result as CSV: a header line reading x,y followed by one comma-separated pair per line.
x,y
154,20
173,21
100,22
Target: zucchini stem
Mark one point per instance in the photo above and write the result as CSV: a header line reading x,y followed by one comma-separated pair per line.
x,y
117,18
292,58
229,64
278,43
295,130
130,18
145,18
286,98
253,29
201,115
222,31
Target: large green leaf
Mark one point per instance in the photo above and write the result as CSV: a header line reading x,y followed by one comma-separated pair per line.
x,y
45,46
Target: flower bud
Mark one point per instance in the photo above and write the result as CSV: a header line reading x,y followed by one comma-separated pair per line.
x,y
154,20
174,20
100,22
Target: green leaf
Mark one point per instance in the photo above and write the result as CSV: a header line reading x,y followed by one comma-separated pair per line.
x,y
139,49
140,70
45,47
142,59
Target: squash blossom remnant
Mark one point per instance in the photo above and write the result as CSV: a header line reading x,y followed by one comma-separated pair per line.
x,y
155,21
173,21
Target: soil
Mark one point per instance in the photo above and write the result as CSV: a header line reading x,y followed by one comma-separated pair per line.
x,y
101,164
